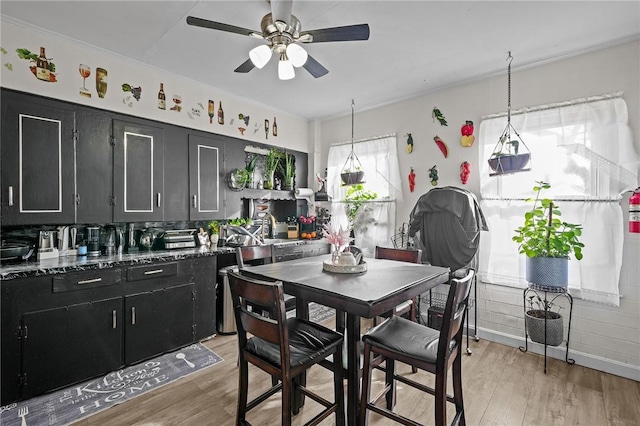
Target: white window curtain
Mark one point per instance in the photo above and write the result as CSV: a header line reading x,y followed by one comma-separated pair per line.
x,y
379,159
584,149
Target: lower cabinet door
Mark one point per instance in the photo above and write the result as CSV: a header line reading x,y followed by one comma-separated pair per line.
x,y
158,321
66,345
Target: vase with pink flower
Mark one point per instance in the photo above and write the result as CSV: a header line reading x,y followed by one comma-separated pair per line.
x,y
338,238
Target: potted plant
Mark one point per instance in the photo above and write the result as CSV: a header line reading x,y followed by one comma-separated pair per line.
x,y
540,313
249,169
288,171
352,177
506,159
547,241
270,165
214,227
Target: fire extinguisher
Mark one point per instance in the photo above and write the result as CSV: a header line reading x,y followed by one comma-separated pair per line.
x,y
634,212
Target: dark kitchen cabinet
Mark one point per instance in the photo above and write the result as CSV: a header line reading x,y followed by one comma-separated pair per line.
x,y
68,327
158,321
137,171
94,166
65,345
37,160
206,177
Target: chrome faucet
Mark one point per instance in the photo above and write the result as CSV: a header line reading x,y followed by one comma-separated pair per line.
x,y
272,223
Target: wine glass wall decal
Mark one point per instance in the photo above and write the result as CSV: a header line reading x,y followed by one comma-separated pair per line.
x,y
85,71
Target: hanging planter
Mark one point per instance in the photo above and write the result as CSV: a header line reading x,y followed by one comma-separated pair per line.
x,y
507,157
352,173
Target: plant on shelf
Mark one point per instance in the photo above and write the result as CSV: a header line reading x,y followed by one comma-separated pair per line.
x,y
270,165
249,168
547,241
539,312
288,171
214,227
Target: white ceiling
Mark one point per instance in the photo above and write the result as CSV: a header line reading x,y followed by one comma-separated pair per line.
x,y
415,47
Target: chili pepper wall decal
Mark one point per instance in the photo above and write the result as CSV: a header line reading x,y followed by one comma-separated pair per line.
x,y
437,115
409,143
465,171
433,175
443,146
412,180
467,134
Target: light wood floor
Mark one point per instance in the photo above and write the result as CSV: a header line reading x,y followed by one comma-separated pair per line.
x,y
502,386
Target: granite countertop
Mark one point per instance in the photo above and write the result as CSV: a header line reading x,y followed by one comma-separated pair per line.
x,y
66,264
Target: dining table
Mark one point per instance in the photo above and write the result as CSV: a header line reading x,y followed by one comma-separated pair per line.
x,y
367,294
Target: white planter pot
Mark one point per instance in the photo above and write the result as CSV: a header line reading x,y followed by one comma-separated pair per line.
x,y
548,271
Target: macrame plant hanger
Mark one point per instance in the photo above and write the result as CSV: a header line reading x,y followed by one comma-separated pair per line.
x,y
507,156
352,172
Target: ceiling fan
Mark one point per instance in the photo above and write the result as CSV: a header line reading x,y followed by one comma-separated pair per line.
x,y
281,31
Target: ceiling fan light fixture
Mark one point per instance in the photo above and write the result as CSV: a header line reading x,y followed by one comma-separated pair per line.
x,y
285,68
260,55
297,55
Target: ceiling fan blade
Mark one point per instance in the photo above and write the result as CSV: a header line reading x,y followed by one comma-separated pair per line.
x,y
314,67
347,33
281,10
245,67
205,23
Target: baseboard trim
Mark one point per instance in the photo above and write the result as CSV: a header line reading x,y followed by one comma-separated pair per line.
x,y
586,360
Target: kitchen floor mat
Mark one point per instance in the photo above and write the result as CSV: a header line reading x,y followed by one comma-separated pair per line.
x,y
73,403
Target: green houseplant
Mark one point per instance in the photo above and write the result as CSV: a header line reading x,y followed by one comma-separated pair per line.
x,y
534,321
270,165
547,241
288,170
214,227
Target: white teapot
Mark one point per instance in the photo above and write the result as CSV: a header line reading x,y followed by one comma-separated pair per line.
x,y
347,259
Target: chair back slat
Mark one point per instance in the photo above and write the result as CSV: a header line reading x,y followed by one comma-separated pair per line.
x,y
254,254
404,255
246,292
454,313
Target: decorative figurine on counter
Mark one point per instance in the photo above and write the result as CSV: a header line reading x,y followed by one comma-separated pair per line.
x,y
437,115
433,175
412,180
465,171
409,143
467,134
443,146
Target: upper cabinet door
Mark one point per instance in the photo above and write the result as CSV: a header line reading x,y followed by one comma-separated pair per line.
x,y
205,178
37,149
138,172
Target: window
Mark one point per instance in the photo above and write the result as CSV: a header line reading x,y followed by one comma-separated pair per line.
x,y
584,149
379,159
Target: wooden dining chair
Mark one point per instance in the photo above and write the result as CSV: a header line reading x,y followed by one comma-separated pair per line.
x,y
408,308
284,348
399,339
257,255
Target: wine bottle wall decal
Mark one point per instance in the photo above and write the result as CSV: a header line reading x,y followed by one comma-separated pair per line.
x,y
266,128
274,128
40,66
211,110
162,98
101,82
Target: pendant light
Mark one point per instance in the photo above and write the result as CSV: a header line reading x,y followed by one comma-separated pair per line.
x,y
507,156
352,172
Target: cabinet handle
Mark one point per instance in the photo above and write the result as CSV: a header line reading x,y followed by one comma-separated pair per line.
x,y
159,198
10,195
94,280
195,201
133,315
114,319
155,271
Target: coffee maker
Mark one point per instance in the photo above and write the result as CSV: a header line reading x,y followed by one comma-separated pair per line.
x,y
46,246
93,240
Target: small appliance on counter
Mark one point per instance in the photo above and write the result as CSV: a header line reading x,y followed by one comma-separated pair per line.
x,y
46,246
110,241
178,238
93,240
132,243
